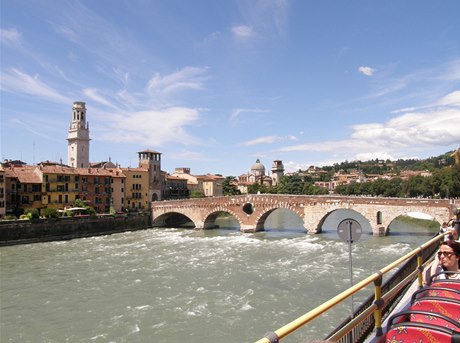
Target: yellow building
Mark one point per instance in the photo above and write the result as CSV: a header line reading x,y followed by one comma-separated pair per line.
x,y
209,184
136,189
60,185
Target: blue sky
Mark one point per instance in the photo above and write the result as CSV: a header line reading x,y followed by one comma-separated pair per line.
x,y
214,85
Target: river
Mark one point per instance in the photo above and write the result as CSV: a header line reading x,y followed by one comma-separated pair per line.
x,y
180,285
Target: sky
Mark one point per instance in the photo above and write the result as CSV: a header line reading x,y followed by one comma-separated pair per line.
x,y
215,85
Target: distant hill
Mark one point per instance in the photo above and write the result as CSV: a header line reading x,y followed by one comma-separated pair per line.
x,y
386,166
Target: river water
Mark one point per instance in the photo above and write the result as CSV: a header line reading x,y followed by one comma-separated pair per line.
x,y
180,285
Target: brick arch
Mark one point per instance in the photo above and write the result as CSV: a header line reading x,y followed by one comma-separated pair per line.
x,y
161,220
262,217
211,215
433,216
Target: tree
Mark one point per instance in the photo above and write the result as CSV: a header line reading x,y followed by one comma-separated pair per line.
x,y
257,188
229,187
197,194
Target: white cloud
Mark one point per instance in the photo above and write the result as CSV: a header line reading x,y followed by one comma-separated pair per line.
x,y
452,99
187,78
152,127
94,95
268,140
10,36
68,33
412,131
381,155
368,71
16,81
243,31
237,112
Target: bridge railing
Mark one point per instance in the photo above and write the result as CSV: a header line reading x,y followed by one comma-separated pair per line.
x,y
369,315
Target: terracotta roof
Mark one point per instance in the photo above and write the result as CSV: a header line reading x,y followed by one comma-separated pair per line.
x,y
171,177
93,171
25,174
134,169
54,169
208,177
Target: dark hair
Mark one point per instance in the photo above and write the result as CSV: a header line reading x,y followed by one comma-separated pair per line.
x,y
455,247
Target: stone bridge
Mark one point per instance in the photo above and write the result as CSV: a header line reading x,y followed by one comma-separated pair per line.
x,y
251,211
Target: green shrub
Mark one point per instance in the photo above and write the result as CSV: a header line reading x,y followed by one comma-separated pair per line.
x,y
49,213
32,213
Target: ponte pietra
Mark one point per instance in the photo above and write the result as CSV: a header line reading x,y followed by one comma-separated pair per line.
x,y
252,210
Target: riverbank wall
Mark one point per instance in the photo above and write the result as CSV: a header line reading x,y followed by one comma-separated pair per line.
x,y
13,232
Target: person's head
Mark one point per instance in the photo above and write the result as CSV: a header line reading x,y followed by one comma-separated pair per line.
x,y
449,255
444,224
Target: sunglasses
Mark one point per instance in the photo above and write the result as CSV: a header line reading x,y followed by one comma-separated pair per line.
x,y
445,253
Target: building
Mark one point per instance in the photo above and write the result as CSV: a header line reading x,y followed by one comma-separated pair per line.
x,y
60,185
2,192
95,188
210,185
136,189
257,176
175,187
117,189
22,188
78,137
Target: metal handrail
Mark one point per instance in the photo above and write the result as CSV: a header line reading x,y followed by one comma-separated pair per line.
x,y
287,329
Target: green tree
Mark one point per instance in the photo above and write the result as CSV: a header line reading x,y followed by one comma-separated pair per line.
x,y
290,184
229,187
257,188
197,194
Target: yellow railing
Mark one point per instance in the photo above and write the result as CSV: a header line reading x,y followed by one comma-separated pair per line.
x,y
376,307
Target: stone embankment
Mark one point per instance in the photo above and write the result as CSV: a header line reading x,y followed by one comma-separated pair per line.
x,y
14,232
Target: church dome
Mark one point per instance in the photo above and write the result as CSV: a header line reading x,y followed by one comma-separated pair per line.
x,y
259,167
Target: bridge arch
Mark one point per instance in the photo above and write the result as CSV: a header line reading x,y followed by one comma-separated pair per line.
x,y
172,219
333,218
210,218
262,218
268,209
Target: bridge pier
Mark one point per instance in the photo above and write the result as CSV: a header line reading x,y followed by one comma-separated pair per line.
x,y
248,228
379,231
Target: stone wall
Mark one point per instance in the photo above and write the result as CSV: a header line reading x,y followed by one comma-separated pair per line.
x,y
14,232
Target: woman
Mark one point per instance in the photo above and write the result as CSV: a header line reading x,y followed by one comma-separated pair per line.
x,y
448,260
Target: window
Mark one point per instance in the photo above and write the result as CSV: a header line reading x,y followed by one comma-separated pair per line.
x,y
379,218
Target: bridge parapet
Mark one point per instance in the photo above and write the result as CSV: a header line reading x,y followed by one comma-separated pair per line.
x,y
251,211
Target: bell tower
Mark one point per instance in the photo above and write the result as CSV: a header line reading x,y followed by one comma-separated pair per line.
x,y
151,160
78,137
277,172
